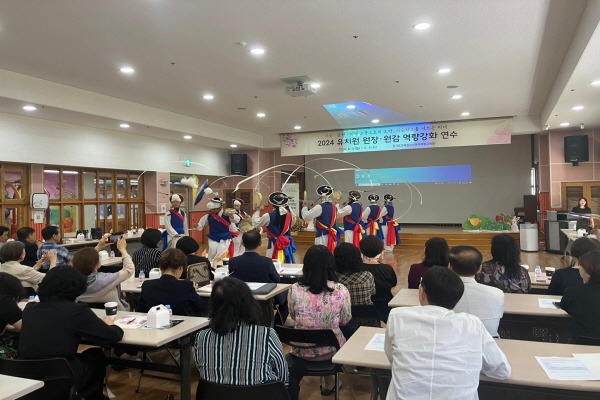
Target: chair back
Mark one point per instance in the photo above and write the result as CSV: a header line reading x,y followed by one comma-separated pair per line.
x,y
56,373
215,391
365,315
307,338
587,340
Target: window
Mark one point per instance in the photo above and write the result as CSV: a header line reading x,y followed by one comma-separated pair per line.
x,y
14,202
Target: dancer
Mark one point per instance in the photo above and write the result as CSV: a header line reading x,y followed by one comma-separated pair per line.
x,y
352,214
278,224
238,246
325,215
175,222
220,229
371,216
389,227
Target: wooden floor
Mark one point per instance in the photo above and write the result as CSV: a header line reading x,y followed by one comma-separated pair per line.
x,y
123,383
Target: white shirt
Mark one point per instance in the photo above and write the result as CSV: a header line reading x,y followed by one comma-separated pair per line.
x,y
439,354
483,301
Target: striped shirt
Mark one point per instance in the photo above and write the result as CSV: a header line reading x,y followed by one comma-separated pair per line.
x,y
146,258
250,355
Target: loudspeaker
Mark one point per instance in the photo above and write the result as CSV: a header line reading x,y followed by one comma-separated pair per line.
x,y
576,149
239,164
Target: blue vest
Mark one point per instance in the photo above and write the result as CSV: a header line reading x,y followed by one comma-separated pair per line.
x,y
324,218
390,212
355,216
177,223
217,231
374,212
276,223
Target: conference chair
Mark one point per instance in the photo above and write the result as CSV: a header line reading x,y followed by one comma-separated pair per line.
x,y
365,315
312,338
215,391
56,373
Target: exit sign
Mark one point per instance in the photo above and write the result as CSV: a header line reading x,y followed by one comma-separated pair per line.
x,y
187,162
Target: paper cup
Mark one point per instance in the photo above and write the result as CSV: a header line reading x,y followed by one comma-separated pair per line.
x,y
550,271
226,261
110,308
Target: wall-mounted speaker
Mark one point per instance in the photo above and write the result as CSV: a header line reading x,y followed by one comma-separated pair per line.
x,y
576,149
239,164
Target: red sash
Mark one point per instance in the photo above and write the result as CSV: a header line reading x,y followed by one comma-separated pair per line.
x,y
332,232
358,229
234,234
391,238
281,242
176,213
372,224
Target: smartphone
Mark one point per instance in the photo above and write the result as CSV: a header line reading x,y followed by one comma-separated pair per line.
x,y
115,237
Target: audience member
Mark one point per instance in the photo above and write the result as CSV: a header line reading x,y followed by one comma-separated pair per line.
x,y
384,275
13,254
316,303
482,301
570,276
436,253
168,289
148,256
103,287
56,326
235,350
190,247
359,283
4,231
504,270
26,235
252,267
436,353
583,302
52,239
11,292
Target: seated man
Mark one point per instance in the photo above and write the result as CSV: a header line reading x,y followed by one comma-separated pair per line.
x,y
252,267
52,238
482,301
436,353
26,235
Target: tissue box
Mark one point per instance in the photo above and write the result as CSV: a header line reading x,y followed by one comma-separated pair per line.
x,y
158,317
154,273
221,273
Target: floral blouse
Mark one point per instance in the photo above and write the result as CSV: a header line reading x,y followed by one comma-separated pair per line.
x,y
492,275
326,310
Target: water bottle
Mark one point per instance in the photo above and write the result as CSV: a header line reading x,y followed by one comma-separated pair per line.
x,y
112,254
31,299
168,307
142,275
538,271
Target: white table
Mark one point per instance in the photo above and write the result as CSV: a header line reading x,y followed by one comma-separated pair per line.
x,y
111,261
12,387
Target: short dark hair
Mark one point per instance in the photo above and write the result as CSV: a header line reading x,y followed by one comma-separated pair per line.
x,y
505,251
251,239
187,244
151,237
173,259
231,303
49,231
11,286
12,251
443,287
371,246
86,260
23,232
465,260
318,262
436,252
62,283
584,245
3,229
347,258
590,262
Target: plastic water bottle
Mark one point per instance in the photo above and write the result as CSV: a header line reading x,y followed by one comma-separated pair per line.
x,y
168,307
112,254
31,299
142,275
538,271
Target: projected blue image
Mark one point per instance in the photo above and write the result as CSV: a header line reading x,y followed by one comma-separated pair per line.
x,y
360,113
397,176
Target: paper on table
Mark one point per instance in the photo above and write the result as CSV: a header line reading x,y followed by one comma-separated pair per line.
x,y
290,271
376,342
255,285
547,303
205,288
131,322
566,369
590,360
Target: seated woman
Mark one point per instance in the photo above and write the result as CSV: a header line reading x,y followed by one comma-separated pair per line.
x,y
316,303
436,253
148,256
222,352
103,287
359,283
190,247
56,325
169,290
384,275
11,292
13,253
583,302
570,276
504,270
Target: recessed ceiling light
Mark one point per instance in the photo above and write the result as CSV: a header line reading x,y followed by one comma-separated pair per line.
x,y
127,70
233,145
421,26
29,107
457,96
564,124
208,96
188,137
465,114
124,125
351,107
297,127
444,70
577,108
315,85
596,83
374,121
257,51
261,115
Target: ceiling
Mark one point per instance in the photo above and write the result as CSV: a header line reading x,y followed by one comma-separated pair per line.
x,y
531,59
